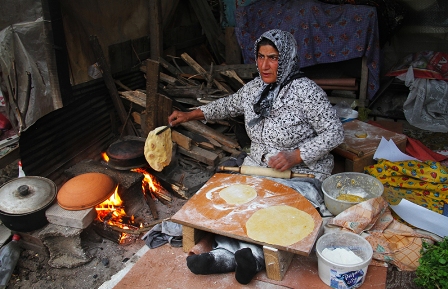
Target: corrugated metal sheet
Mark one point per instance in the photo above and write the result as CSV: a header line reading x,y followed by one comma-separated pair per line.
x,y
80,130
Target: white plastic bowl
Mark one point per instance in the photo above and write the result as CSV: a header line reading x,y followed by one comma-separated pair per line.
x,y
339,275
343,183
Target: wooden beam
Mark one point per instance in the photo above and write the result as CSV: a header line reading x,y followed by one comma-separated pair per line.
x,y
110,84
152,97
210,26
155,29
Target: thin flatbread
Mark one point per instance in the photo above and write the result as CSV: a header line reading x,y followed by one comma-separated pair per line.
x,y
158,149
238,194
279,225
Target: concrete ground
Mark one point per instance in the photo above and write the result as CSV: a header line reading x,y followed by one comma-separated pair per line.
x,y
165,267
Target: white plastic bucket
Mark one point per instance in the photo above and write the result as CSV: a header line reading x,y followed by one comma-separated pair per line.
x,y
340,275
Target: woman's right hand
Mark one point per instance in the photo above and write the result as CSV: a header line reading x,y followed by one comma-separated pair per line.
x,y
178,117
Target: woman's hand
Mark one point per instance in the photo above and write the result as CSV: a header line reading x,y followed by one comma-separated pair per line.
x,y
285,160
178,117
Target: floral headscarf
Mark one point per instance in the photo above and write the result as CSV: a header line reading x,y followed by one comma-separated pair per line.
x,y
288,70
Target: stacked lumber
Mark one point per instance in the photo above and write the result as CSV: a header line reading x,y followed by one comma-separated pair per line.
x,y
174,85
188,88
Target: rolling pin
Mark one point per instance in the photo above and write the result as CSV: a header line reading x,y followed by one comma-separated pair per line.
x,y
267,172
344,146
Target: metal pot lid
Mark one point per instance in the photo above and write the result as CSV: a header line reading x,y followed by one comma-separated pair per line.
x,y
26,195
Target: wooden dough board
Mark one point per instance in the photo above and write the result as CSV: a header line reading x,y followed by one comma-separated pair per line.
x,y
207,211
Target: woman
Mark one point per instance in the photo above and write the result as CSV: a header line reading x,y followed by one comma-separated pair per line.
x,y
288,118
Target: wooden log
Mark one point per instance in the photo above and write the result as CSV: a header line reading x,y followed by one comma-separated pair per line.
x,y
110,84
201,155
199,127
152,206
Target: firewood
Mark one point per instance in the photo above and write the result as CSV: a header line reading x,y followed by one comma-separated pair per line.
x,y
202,71
201,155
182,140
199,127
152,206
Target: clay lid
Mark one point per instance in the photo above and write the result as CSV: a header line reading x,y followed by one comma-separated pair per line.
x,y
85,191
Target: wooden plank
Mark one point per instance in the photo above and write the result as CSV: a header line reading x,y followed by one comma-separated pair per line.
x,y
199,127
155,29
202,155
165,106
277,262
110,84
152,97
134,96
182,140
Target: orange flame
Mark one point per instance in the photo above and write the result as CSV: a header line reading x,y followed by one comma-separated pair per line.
x,y
112,212
105,156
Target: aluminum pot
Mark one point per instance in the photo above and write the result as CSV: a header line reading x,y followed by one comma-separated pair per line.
x,y
23,202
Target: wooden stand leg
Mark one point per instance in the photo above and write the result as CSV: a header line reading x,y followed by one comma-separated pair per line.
x,y
277,262
190,236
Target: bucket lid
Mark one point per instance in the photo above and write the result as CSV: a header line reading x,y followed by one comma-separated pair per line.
x,y
26,195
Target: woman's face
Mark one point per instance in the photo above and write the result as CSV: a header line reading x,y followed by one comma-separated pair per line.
x,y
267,62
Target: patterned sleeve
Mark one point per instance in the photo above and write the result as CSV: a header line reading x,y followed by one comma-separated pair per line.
x,y
324,120
229,106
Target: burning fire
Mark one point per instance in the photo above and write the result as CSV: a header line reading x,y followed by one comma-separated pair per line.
x,y
111,212
152,188
105,156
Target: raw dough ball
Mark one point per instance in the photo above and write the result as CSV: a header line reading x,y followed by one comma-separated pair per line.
x,y
238,194
158,149
279,225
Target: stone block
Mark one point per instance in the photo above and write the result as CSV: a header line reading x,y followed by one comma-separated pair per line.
x,y
75,219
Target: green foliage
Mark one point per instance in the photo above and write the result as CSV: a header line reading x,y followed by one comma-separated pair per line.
x,y
432,273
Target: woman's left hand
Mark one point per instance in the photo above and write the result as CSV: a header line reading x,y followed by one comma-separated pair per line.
x,y
285,160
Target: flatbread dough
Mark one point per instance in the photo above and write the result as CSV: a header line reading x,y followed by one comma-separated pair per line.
x,y
158,149
279,225
238,194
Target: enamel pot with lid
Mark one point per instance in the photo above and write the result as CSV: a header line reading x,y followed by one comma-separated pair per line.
x,y
23,202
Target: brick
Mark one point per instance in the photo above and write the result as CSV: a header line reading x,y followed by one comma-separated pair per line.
x,y
76,219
